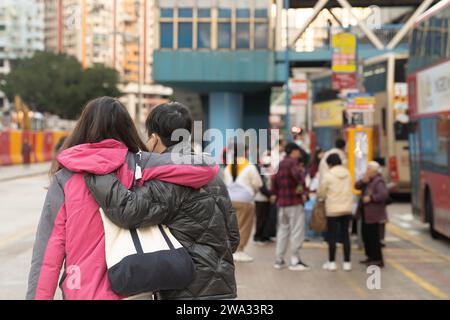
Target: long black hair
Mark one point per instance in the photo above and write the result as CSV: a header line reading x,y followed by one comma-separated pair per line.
x,y
103,118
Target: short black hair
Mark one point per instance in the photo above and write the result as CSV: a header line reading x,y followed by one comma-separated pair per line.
x,y
334,160
291,146
340,143
165,119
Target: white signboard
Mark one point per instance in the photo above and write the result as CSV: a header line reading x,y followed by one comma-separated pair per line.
x,y
433,89
299,92
361,154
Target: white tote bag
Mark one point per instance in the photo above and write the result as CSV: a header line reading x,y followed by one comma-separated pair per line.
x,y
144,260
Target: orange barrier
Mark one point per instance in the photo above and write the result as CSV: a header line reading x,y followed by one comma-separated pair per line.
x,y
42,145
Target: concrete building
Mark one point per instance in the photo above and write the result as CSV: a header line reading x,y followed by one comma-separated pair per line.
x,y
21,33
117,33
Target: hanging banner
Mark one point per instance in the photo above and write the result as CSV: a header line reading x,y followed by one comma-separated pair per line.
x,y
401,102
299,92
328,114
360,102
343,81
344,61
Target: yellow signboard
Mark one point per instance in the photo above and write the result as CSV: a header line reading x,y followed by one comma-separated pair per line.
x,y
328,114
360,152
344,52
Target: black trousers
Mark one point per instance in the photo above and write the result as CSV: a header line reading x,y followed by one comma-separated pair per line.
x,y
262,219
371,237
337,228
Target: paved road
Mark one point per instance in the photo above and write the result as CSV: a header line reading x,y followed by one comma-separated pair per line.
x,y
418,267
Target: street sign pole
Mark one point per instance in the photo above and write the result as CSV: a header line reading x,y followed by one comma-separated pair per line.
x,y
286,84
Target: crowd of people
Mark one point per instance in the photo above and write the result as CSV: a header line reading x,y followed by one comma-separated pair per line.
x,y
104,174
282,204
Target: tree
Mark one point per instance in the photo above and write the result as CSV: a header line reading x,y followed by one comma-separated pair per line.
x,y
57,83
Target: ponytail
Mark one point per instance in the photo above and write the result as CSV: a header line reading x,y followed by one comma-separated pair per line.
x,y
234,165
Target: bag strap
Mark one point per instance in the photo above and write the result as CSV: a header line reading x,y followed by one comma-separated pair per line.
x,y
136,177
166,237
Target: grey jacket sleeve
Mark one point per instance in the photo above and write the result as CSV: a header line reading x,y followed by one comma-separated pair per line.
x,y
146,206
49,246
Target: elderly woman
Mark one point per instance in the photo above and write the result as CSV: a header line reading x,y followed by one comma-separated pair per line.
x,y
372,211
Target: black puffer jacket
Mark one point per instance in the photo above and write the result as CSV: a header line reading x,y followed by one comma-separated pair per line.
x,y
203,221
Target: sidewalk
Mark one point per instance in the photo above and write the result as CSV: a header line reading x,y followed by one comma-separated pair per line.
x,y
8,173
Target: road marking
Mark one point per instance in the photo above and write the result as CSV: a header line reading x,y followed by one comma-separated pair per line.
x,y
405,236
421,261
419,280
353,285
8,240
31,175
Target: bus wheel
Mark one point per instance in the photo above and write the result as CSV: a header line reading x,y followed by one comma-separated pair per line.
x,y
430,215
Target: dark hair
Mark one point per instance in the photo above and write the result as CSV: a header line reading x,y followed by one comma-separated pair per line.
x,y
166,118
340,143
334,160
381,161
290,147
316,159
237,146
103,118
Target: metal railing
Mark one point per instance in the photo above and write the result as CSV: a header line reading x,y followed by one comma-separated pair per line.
x,y
317,38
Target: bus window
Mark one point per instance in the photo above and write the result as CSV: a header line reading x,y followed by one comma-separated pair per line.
x,y
443,138
434,144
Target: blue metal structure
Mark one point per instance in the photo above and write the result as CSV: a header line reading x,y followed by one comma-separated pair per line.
x,y
227,55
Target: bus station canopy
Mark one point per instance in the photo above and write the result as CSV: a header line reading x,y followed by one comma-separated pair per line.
x,y
357,3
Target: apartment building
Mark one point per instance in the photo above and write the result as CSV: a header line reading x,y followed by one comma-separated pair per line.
x,y
21,33
117,33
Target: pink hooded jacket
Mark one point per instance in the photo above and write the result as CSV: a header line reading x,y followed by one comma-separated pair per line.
x,y
71,230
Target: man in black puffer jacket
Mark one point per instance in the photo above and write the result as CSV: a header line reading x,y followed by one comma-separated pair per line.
x,y
203,221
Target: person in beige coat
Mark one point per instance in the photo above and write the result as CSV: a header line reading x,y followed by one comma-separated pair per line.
x,y
336,190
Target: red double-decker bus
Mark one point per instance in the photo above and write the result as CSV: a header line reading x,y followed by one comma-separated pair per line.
x,y
429,107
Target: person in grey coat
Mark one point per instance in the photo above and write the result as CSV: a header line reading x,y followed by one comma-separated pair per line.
x,y
203,221
372,211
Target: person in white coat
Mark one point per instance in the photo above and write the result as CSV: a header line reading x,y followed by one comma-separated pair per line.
x,y
243,182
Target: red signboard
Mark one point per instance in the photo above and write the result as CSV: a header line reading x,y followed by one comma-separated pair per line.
x,y
344,81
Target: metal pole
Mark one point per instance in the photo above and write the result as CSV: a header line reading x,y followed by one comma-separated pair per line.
x,y
367,31
409,24
278,26
140,100
139,105
316,10
287,66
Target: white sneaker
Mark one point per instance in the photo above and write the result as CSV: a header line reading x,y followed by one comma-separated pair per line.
x,y
330,266
279,265
300,266
347,266
241,256
261,243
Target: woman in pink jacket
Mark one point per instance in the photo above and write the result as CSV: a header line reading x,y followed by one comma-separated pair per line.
x,y
70,230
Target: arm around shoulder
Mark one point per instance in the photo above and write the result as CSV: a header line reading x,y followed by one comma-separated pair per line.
x,y
146,206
